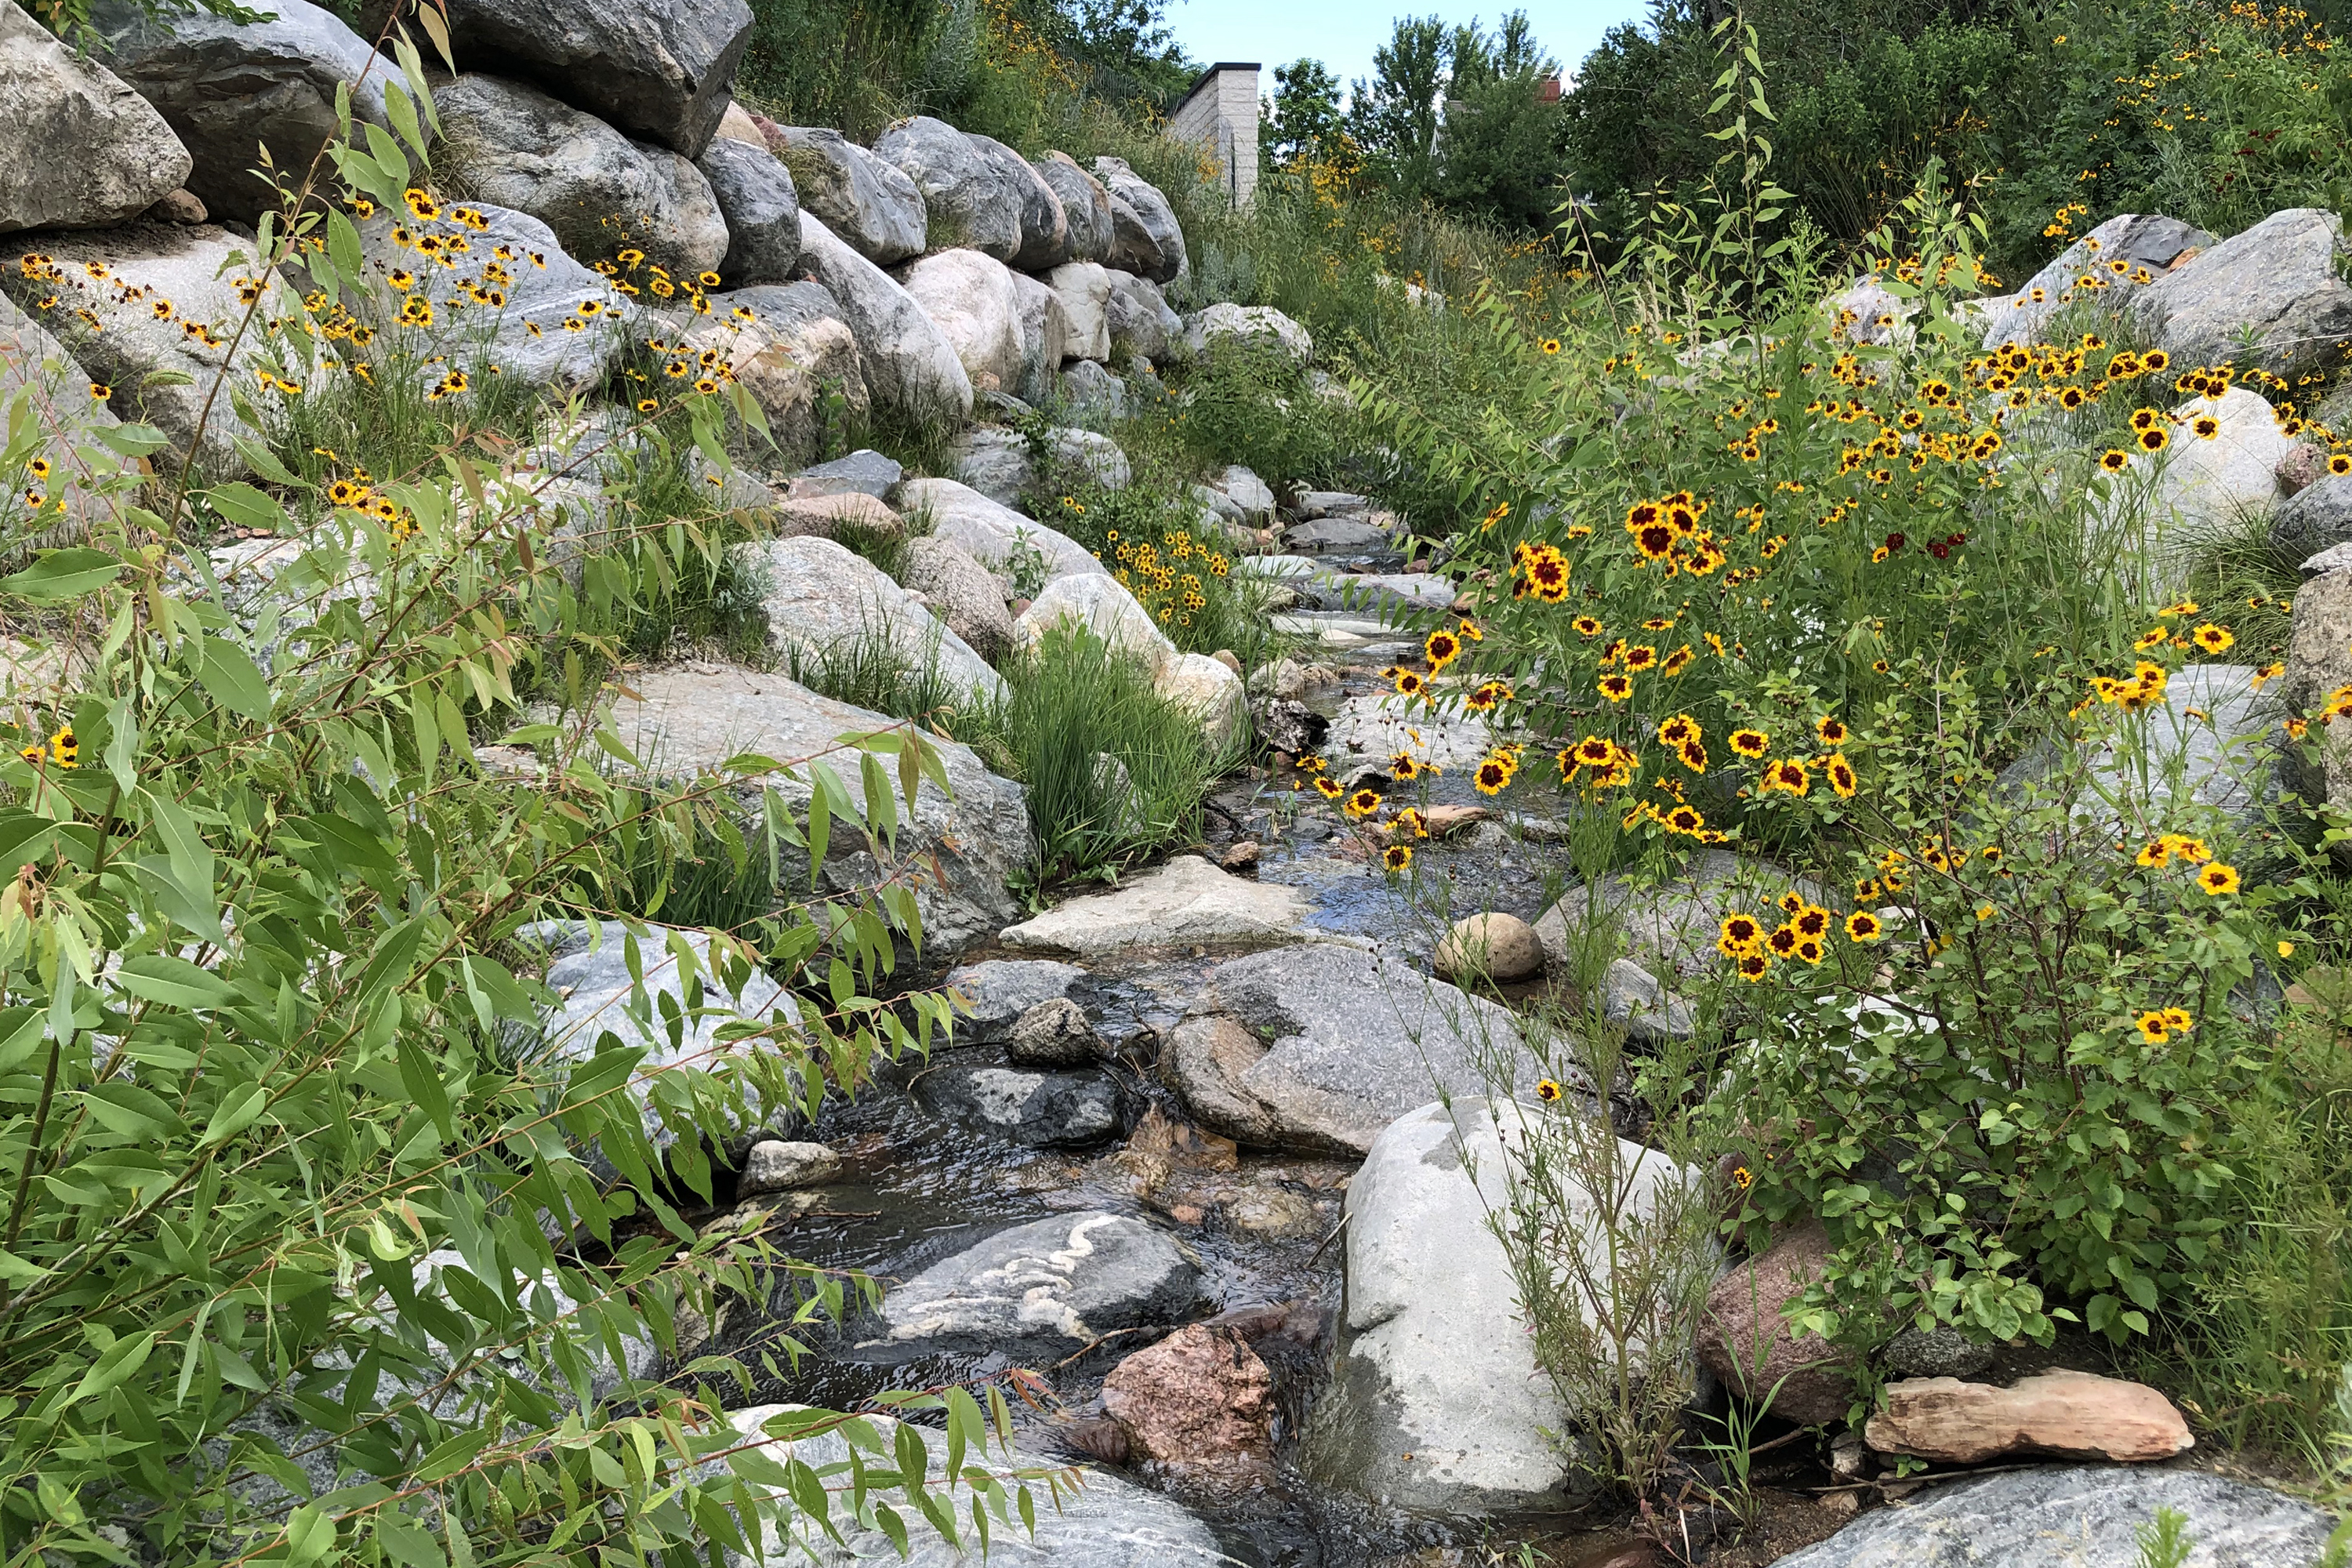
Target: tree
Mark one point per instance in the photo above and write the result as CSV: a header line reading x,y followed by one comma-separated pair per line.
x,y
1499,152
1395,119
1304,118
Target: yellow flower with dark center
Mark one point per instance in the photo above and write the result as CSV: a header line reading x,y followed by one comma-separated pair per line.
x,y
1782,942
1397,857
423,208
1442,649
1788,776
2206,426
1832,730
1616,687
2218,877
1739,933
1409,683
65,749
1750,743
1403,766
1682,727
1841,774
1586,627
706,386
1863,926
2114,461
2177,1020
1550,345
1640,657
2341,463
1548,1091
1412,821
2213,638
1753,966
1493,774
1362,804
1685,820
2154,439
648,404
1329,788
2153,1027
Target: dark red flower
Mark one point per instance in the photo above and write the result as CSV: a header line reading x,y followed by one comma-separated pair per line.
x,y
1940,551
1895,542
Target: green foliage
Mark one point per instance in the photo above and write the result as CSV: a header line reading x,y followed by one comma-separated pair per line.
x,y
1304,117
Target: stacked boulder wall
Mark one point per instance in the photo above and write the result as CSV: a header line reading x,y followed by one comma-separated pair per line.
x,y
796,348
2279,282
961,592
911,368
1140,321
1146,238
83,150
661,69
762,210
998,537
1084,289
1045,332
969,202
599,191
1044,227
1086,206
955,851
229,89
971,298
870,206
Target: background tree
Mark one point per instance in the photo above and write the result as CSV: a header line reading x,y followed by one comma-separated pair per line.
x,y
1500,143
1395,117
1304,117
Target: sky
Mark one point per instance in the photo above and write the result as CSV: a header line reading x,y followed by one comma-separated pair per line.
x,y
1343,34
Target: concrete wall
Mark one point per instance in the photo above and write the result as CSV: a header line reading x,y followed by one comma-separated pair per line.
x,y
1221,115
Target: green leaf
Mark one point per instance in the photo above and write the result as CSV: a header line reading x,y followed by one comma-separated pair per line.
x,y
62,575
174,982
232,677
247,507
115,1368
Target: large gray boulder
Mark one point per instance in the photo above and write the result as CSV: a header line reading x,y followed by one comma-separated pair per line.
x,y
1086,206
1002,466
868,204
2315,517
588,969
955,851
999,991
1044,227
1036,1110
911,367
1435,1400
1248,323
598,191
1146,238
2319,665
147,266
227,89
2201,488
2144,242
2279,281
1320,1046
1024,551
1041,1290
1670,928
83,150
961,593
1084,288
1044,328
1106,1522
2214,747
2083,1516
532,288
34,362
660,69
969,297
969,201
1100,605
796,348
1141,321
761,211
822,601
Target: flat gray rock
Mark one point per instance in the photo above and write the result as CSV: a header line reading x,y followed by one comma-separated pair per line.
x,y
1018,547
1326,535
863,472
83,150
2315,519
2076,1516
1002,989
1185,903
1041,1290
1038,1110
597,190
656,68
227,89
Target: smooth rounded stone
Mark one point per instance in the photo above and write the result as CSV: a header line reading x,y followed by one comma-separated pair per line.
x,y
740,124
1318,1048
1036,1110
1247,491
1219,502
999,464
1207,687
83,149
1054,1034
2202,485
1000,992
970,299
821,598
1261,323
588,968
969,201
2073,1414
1153,244
1632,998
864,472
1497,947
1085,207
2083,1516
2149,241
1436,1402
1041,1290
32,360
776,1166
1187,903
1312,504
1044,229
1141,323
1020,548
1101,604
1084,289
177,207
796,349
227,89
1940,1351
1744,1339
532,286
867,201
658,69
599,192
1670,929
762,210
2278,282
1867,313
911,367
687,719
1199,1402
1091,392
2315,517
147,265
2216,739
1106,1522
961,593
1045,329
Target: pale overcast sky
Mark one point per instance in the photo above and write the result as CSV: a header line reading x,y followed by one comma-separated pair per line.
x,y
1343,34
